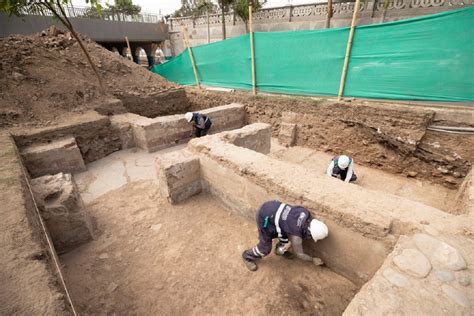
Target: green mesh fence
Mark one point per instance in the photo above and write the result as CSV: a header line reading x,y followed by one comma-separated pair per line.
x,y
425,58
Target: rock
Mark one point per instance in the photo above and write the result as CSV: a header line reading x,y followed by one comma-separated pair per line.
x,y
431,230
112,287
17,76
103,256
395,278
412,174
156,227
440,253
449,158
413,262
463,278
444,276
443,170
457,174
456,295
450,180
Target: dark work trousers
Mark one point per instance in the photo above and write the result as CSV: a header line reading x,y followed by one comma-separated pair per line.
x,y
266,232
343,174
199,132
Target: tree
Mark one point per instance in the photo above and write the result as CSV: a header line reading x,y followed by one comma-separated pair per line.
x,y
120,7
224,5
241,8
56,8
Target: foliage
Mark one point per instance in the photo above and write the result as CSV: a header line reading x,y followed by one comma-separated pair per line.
x,y
120,7
241,7
195,8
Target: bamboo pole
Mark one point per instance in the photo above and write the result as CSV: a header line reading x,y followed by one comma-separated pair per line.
x,y
129,49
252,52
186,41
329,16
208,27
348,50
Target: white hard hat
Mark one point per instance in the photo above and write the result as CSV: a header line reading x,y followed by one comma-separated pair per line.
x,y
188,116
318,230
343,162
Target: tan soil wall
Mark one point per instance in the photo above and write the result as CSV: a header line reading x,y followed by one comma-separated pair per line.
x,y
29,284
93,132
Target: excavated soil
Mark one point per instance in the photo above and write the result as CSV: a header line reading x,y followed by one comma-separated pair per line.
x,y
390,138
151,257
45,77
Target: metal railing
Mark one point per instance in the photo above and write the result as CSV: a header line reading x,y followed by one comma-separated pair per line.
x,y
90,13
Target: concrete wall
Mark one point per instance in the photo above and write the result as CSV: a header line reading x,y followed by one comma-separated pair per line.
x,y
101,31
303,17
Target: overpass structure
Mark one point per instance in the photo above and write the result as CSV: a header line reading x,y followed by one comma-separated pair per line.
x,y
144,31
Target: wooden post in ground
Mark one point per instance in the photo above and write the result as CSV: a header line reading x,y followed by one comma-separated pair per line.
x,y
129,49
252,52
348,50
186,41
329,16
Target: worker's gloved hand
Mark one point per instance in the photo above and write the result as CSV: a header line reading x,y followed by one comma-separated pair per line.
x,y
281,248
318,261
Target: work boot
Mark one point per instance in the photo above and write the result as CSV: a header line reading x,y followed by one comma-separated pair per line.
x,y
251,265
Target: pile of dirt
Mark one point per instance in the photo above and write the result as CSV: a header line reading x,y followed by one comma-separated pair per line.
x,y
391,138
44,77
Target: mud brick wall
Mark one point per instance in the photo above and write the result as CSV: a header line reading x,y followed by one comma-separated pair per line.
x,y
255,136
165,131
61,155
178,175
362,232
93,132
165,103
63,211
29,284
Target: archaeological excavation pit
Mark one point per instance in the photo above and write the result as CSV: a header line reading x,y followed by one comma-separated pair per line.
x,y
146,221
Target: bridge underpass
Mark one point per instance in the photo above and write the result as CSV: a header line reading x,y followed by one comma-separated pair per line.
x,y
148,34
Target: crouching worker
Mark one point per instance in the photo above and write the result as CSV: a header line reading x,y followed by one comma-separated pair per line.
x,y
341,166
290,224
201,123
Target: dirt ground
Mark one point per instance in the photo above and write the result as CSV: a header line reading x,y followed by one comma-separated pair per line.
x,y
44,78
150,257
391,138
425,192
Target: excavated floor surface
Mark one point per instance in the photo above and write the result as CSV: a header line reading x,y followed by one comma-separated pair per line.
x,y
430,194
150,257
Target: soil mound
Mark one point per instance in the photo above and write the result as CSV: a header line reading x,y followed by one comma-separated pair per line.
x,y
45,77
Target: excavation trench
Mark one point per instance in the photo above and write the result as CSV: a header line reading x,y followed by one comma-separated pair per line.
x,y
138,237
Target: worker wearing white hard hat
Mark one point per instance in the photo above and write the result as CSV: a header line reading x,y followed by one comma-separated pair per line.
x,y
201,123
342,166
291,225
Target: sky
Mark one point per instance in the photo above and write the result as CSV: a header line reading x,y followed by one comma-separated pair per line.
x,y
169,6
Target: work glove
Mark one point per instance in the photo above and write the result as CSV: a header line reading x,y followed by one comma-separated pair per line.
x,y
318,261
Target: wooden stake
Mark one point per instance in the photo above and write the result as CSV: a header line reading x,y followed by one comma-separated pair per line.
x,y
129,49
348,50
329,16
252,52
186,41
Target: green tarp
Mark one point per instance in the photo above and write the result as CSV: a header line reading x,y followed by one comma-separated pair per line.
x,y
425,58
